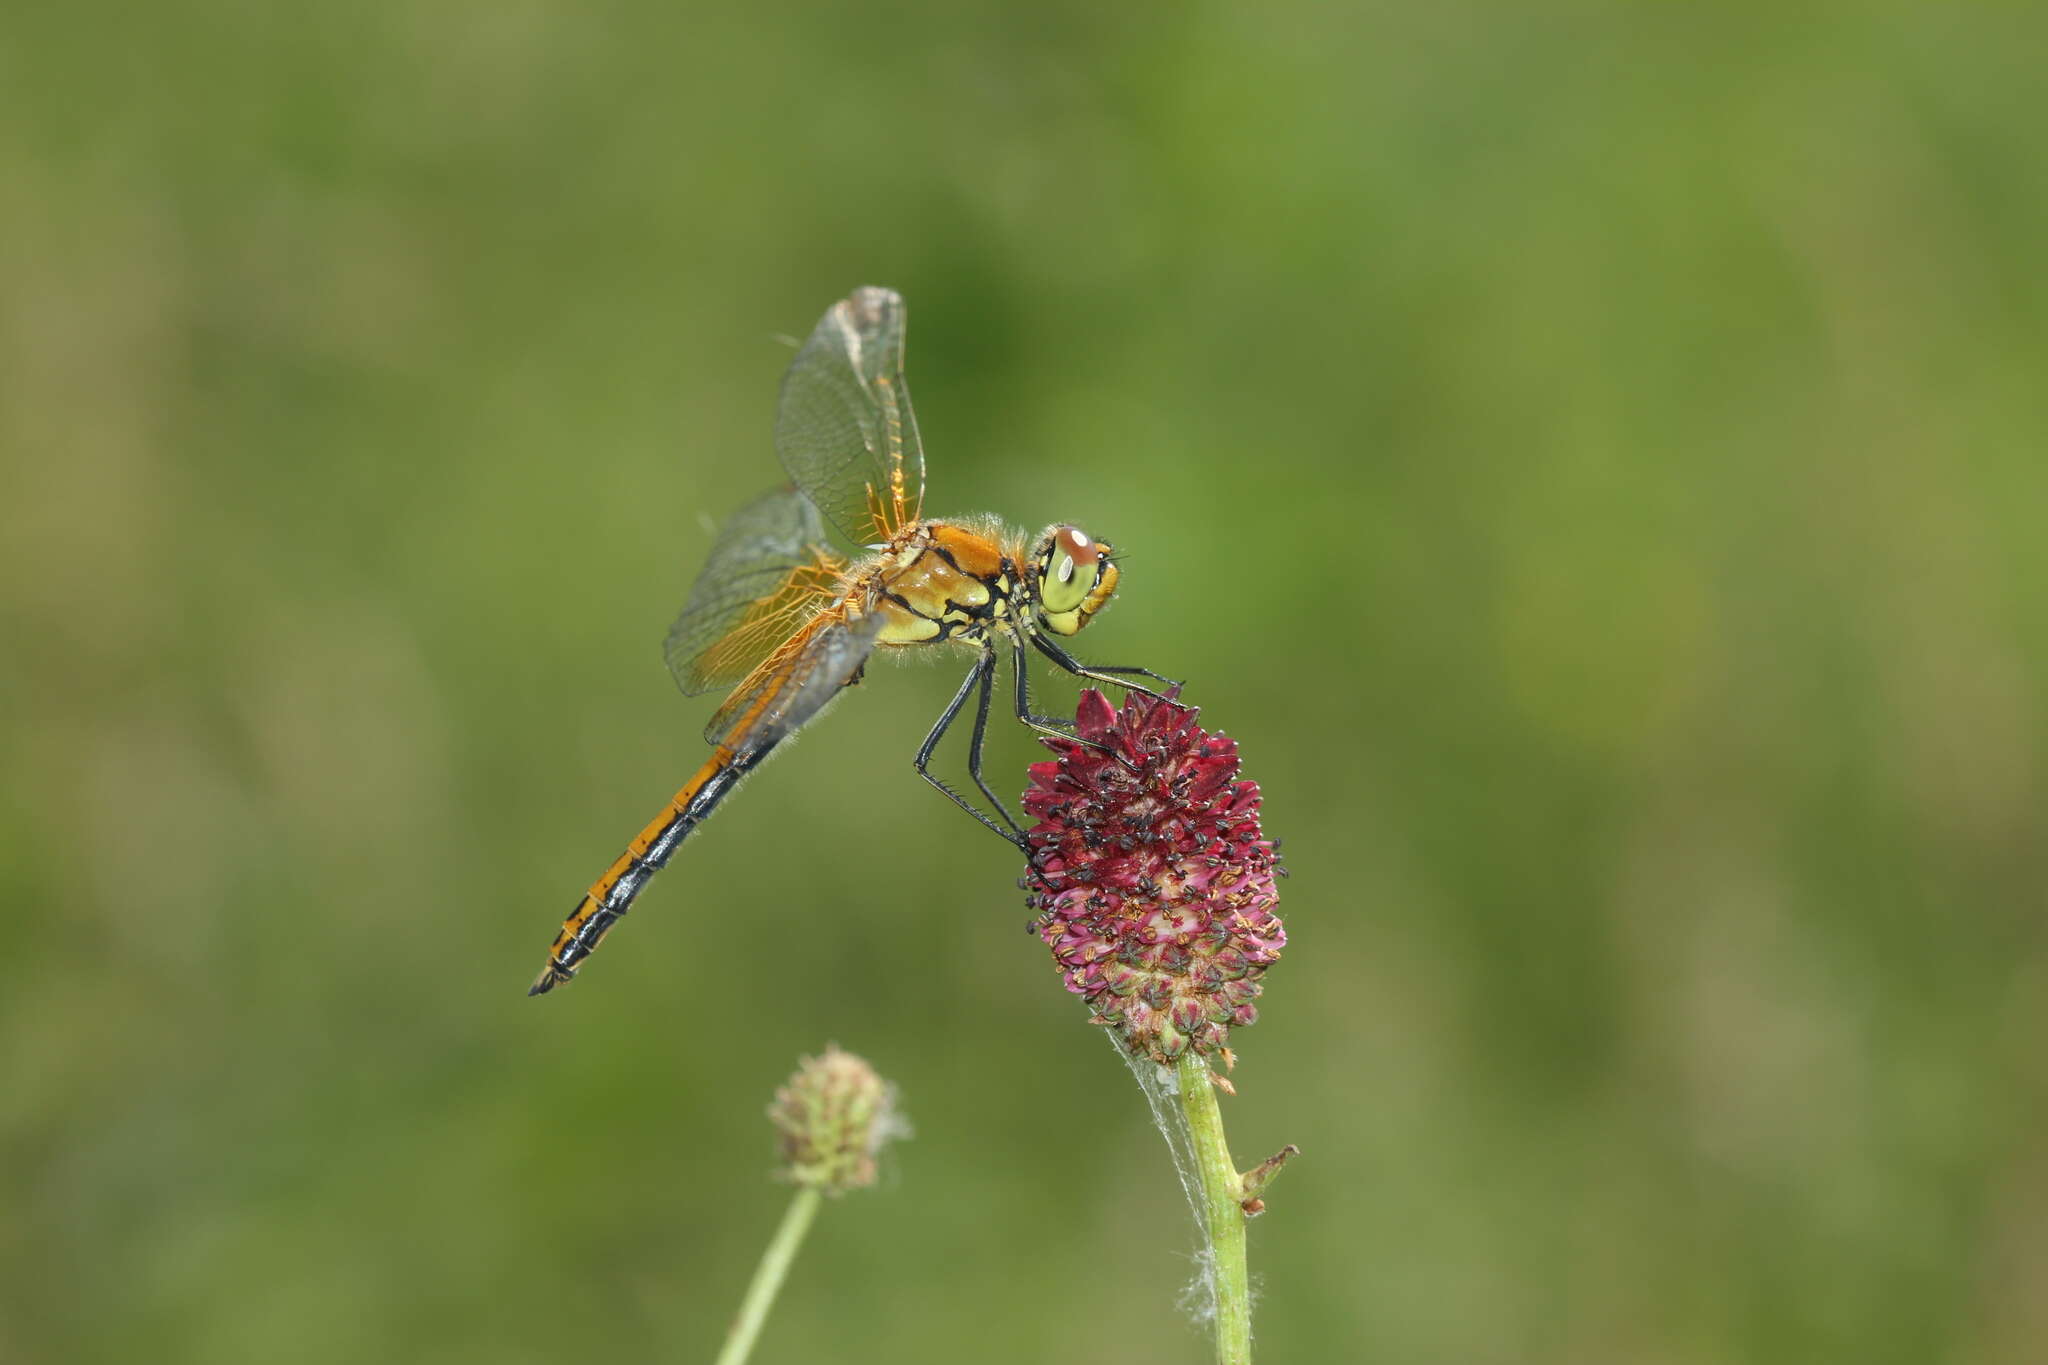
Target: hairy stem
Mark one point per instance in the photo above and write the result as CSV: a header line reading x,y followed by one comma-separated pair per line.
x,y
1222,1208
768,1277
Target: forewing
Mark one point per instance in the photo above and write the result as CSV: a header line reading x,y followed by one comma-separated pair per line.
x,y
795,683
769,572
844,427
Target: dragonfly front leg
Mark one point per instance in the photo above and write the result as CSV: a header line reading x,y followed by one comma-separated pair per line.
x,y
982,676
1102,673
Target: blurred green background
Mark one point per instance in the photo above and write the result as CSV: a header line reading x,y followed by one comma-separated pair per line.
x,y
1594,462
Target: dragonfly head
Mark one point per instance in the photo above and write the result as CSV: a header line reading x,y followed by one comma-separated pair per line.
x,y
1072,578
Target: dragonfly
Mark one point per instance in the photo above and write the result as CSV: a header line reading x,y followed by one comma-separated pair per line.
x,y
787,621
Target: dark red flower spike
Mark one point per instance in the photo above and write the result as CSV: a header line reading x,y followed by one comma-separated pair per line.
x,y
1153,882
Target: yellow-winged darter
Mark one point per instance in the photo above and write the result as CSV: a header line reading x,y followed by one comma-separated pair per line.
x,y
786,621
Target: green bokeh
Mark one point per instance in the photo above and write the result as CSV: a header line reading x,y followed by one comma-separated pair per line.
x,y
1593,462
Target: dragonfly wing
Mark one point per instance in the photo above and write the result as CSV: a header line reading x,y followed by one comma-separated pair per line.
x,y
769,573
843,425
795,683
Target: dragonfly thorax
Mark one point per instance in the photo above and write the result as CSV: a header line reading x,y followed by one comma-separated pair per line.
x,y
938,582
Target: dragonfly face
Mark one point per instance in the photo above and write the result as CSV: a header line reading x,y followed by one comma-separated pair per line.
x,y
1073,578
786,620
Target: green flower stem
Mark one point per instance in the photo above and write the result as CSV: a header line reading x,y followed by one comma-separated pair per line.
x,y
1222,1200
768,1277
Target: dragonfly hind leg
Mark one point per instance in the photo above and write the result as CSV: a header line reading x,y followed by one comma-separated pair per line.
x,y
981,676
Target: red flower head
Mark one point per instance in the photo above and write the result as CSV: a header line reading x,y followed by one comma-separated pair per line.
x,y
1153,883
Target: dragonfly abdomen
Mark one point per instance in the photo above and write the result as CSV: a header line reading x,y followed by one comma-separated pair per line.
x,y
612,895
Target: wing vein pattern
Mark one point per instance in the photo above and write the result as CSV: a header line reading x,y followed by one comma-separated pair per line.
x,y
769,572
844,427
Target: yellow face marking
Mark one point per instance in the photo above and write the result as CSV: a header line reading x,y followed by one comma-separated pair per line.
x,y
1105,588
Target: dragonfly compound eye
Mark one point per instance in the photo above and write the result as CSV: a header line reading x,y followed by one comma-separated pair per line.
x,y
1075,577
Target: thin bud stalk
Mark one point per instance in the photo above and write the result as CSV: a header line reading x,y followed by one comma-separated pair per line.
x,y
768,1276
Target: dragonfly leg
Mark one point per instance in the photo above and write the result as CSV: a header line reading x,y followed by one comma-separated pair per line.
x,y
1045,725
978,676
1132,669
974,745
1104,673
1050,725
